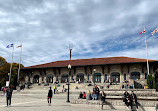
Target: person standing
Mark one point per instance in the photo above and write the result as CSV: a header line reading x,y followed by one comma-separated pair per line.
x,y
50,94
8,95
54,89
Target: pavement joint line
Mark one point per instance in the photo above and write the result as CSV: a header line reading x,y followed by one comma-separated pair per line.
x,y
24,103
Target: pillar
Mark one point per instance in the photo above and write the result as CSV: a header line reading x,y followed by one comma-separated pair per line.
x,y
102,78
54,79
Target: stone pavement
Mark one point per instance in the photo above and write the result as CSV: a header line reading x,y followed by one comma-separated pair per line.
x,y
38,102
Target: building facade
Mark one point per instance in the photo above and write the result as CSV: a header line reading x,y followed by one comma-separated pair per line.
x,y
96,70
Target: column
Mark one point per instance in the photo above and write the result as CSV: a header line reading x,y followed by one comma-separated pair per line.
x,y
45,79
31,79
54,79
102,78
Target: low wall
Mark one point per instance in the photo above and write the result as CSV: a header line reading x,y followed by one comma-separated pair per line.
x,y
113,103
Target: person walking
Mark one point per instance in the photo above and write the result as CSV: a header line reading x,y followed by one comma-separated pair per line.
x,y
8,96
103,96
50,94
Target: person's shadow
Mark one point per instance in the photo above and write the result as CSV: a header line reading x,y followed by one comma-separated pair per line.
x,y
109,104
139,106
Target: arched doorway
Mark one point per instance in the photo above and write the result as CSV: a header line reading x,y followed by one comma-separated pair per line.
x,y
36,79
97,77
49,78
64,78
115,77
135,75
80,78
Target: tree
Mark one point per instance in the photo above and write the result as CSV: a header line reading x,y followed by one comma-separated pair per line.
x,y
151,82
5,69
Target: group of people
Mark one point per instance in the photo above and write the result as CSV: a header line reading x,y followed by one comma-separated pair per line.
x,y
95,93
130,99
91,96
82,95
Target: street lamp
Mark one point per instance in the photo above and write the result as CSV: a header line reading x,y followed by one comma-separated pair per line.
x,y
9,77
69,68
93,77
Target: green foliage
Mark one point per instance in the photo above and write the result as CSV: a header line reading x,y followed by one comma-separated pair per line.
x,y
5,69
151,82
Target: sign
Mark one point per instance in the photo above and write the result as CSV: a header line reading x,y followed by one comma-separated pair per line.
x,y
7,83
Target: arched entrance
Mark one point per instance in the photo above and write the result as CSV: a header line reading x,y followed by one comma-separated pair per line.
x,y
49,78
97,77
115,77
64,78
135,75
36,79
80,78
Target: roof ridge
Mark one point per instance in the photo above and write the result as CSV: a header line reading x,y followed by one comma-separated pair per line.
x,y
122,59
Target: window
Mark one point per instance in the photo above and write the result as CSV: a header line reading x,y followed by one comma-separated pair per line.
x,y
115,77
97,78
135,75
124,76
105,79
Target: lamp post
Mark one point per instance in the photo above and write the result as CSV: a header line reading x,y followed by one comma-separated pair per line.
x,y
69,68
93,77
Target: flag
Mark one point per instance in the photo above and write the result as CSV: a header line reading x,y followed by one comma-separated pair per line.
x,y
142,31
19,46
10,45
152,33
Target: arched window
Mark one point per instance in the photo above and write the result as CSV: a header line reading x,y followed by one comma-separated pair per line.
x,y
50,78
80,77
36,79
64,78
115,77
97,78
135,75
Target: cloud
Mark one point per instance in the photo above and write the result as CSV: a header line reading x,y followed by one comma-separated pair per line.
x,y
96,28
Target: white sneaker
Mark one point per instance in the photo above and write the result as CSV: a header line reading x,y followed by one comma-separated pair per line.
x,y
128,108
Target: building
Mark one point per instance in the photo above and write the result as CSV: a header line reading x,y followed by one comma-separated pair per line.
x,y
95,70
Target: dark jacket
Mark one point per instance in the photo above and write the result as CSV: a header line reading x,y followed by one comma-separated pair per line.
x,y
103,96
9,92
133,97
50,94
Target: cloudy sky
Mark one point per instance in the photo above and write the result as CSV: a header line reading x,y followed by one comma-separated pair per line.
x,y
94,28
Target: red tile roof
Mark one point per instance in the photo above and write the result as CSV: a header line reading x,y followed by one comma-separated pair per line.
x,y
93,61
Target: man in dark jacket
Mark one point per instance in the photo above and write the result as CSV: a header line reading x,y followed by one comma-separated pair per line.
x,y
50,94
9,95
134,100
103,97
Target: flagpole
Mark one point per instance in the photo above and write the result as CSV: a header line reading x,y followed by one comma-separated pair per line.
x,y
147,53
11,65
19,66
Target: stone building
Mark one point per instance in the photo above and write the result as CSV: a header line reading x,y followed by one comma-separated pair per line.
x,y
98,70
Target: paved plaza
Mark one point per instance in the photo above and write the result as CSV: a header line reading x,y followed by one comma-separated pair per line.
x,y
35,99
29,100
